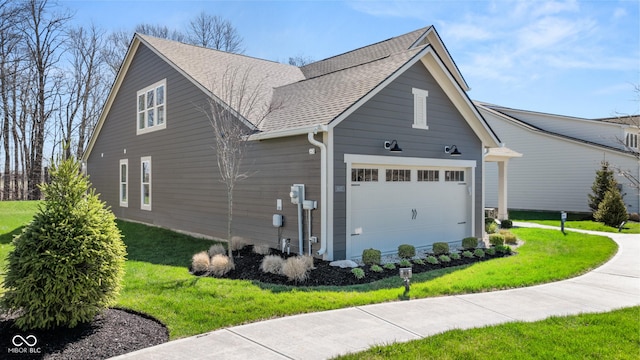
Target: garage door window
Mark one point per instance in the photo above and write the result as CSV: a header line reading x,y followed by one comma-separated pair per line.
x,y
364,175
429,175
396,175
454,175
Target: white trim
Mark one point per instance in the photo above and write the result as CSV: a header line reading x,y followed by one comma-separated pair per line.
x,y
155,127
351,159
125,203
420,107
303,130
328,139
144,206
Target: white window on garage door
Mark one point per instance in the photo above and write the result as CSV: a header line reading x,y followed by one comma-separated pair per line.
x,y
454,175
364,175
397,175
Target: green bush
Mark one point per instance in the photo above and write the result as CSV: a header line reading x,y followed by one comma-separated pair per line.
x,y
612,210
68,263
444,259
479,253
376,268
418,261
371,256
496,239
503,249
454,256
469,243
389,266
490,225
509,237
506,224
440,248
490,251
405,263
406,251
432,260
468,254
358,273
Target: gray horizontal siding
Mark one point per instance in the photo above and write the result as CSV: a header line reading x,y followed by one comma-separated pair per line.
x,y
187,193
388,116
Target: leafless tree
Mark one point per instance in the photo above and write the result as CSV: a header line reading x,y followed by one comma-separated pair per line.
x,y
631,146
43,33
300,60
237,108
161,31
214,32
114,50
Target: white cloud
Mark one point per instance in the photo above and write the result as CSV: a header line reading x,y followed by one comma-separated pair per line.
x,y
467,32
619,13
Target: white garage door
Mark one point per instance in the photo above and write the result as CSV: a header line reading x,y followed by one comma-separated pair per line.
x,y
393,205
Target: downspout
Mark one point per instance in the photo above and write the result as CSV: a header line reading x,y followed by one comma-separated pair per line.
x,y
323,188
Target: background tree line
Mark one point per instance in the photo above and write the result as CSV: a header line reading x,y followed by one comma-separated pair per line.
x,y
55,77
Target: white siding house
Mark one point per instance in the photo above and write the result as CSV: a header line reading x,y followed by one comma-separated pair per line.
x,y
561,157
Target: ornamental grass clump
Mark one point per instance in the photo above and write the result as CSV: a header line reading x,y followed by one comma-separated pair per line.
x,y
200,262
389,266
296,269
220,265
467,254
479,253
509,237
262,249
432,260
376,268
496,239
454,256
405,263
358,273
444,259
216,249
67,265
272,264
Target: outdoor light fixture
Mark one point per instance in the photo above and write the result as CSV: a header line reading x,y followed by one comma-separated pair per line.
x,y
405,274
452,150
392,146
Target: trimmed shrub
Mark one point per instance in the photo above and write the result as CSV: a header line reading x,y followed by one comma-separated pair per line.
x,y
490,251
406,251
634,217
479,253
496,239
262,249
371,256
503,249
217,249
200,262
358,273
469,243
418,261
440,248
67,264
405,263
468,254
431,260
220,265
506,224
272,264
444,259
455,256
389,266
296,269
376,268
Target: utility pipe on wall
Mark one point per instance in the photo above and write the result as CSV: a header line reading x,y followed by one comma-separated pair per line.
x,y
323,188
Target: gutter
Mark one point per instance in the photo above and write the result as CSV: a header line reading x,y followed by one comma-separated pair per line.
x,y
288,132
323,186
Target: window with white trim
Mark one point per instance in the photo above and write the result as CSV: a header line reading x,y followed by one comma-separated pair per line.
x,y
145,183
420,108
631,140
151,108
397,175
124,182
454,175
429,175
364,175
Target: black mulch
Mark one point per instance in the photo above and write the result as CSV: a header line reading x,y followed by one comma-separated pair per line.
x,y
113,332
247,267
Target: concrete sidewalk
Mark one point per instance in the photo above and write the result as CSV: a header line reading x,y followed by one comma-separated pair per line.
x,y
614,285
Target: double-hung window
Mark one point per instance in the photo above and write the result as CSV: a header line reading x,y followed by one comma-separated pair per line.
x,y
152,108
124,182
145,183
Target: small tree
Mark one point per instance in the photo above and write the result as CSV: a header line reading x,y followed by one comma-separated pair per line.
x,y
67,264
602,183
612,211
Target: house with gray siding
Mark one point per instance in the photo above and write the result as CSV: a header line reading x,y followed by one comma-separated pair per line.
x,y
563,154
373,148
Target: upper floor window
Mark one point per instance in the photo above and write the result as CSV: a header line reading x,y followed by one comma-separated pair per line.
x,y
631,140
420,108
152,109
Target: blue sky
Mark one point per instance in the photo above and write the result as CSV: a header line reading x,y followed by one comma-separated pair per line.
x,y
576,58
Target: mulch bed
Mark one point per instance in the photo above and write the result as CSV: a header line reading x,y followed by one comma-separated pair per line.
x,y
247,267
113,332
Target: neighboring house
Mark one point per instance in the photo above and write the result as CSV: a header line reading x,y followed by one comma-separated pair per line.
x,y
562,156
151,156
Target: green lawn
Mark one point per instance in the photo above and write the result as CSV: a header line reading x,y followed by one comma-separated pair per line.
x,y
157,281
612,335
574,221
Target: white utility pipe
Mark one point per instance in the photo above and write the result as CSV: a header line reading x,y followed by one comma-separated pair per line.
x,y
309,229
300,225
324,213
